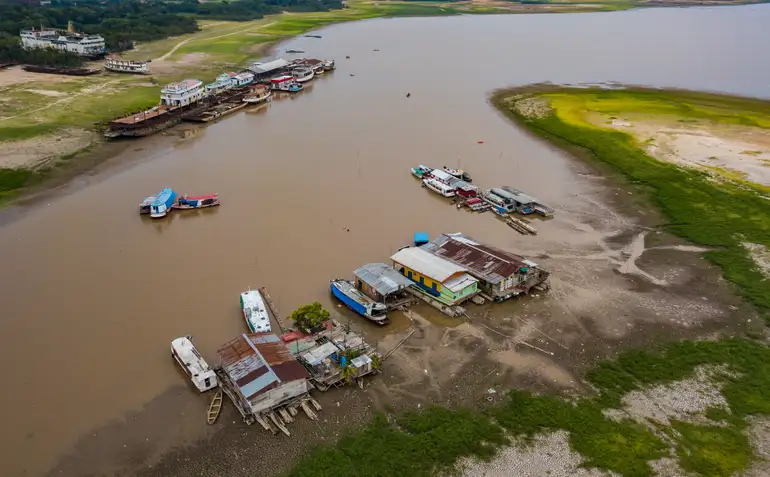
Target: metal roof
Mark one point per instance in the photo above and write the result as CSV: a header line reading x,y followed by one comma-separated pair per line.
x,y
460,283
261,68
258,362
382,277
426,264
513,194
482,261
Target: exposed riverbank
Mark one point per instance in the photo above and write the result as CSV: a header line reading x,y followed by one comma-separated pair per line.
x,y
47,121
688,151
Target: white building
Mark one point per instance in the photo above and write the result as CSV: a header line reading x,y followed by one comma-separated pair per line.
x,y
78,43
185,92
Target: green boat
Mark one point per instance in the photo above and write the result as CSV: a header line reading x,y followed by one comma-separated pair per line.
x,y
421,171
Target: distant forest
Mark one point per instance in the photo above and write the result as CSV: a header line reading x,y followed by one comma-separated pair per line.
x,y
122,22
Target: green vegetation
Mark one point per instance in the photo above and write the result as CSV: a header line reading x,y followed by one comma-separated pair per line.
x,y
11,180
423,443
721,214
310,318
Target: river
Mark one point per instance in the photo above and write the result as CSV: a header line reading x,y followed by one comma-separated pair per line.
x,y
92,294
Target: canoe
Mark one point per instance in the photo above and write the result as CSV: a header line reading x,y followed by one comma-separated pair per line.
x,y
214,408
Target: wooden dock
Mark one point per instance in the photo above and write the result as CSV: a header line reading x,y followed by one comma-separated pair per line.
x,y
453,311
272,307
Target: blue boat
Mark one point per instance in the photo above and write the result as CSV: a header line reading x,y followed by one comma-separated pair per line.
x,y
295,88
162,204
347,293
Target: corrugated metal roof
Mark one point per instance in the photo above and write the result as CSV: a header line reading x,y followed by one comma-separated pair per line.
x,y
513,194
257,362
426,264
317,355
382,277
261,68
460,283
482,261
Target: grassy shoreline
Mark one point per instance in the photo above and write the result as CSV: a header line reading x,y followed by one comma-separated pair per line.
x,y
720,214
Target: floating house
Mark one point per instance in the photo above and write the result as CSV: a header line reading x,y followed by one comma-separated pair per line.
x,y
515,200
266,70
260,376
444,281
334,356
501,274
241,79
382,283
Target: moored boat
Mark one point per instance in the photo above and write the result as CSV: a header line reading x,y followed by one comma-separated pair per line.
x,y
162,204
459,173
254,311
258,94
439,187
420,171
196,202
303,74
329,65
144,206
184,352
294,50
286,83
346,292
119,65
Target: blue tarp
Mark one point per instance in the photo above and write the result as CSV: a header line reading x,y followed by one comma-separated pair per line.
x,y
420,238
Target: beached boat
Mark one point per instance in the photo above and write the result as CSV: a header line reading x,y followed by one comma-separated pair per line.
x,y
346,292
200,373
459,173
294,50
420,171
161,206
258,94
126,66
196,202
214,408
439,187
254,311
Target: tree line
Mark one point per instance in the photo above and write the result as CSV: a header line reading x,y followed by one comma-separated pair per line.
x,y
123,22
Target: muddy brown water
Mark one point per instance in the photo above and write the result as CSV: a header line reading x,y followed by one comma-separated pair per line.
x,y
91,294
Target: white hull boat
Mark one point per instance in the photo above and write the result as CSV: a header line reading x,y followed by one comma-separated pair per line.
x,y
184,352
254,312
439,187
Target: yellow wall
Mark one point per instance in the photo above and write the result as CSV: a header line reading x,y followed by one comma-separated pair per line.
x,y
428,282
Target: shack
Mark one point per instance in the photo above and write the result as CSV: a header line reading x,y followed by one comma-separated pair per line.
x,y
442,280
383,284
502,274
333,357
262,378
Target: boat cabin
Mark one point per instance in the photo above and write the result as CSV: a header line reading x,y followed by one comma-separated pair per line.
x,y
193,364
519,201
465,190
445,177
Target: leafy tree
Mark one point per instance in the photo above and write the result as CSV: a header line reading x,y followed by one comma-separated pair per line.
x,y
310,318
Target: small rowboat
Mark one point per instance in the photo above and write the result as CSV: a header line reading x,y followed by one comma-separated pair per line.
x,y
196,202
214,408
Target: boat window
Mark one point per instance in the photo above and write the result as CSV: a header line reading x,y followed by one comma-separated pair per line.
x,y
208,382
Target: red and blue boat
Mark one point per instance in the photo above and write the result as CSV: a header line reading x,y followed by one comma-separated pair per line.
x,y
186,202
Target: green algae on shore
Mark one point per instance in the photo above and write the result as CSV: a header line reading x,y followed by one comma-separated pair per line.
x,y
714,210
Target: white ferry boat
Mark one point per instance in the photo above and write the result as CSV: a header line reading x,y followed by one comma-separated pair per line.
x,y
184,352
183,93
439,187
255,312
126,66
303,74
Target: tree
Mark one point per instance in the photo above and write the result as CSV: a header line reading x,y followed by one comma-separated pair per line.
x,y
310,318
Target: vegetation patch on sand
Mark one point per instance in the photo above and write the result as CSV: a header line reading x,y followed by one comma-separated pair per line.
x,y
705,430
707,207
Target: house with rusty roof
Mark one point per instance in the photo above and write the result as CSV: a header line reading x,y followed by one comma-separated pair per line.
x,y
501,274
260,375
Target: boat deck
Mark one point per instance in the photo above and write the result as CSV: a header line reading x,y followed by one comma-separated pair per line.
x,y
144,115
